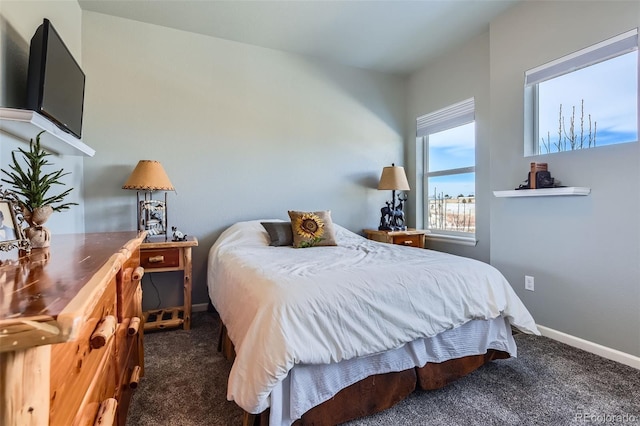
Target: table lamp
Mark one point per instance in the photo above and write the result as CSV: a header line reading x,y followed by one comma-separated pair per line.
x,y
149,176
392,217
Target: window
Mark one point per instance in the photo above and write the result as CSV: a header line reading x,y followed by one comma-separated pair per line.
x,y
586,99
449,179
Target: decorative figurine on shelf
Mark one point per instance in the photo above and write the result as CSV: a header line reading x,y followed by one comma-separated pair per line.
x,y
392,216
178,235
538,178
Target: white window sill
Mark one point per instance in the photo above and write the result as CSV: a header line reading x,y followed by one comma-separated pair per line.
x,y
454,239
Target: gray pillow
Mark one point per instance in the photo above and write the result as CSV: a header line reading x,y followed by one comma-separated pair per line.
x,y
279,233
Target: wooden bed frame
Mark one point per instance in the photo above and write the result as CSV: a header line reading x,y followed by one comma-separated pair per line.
x,y
374,393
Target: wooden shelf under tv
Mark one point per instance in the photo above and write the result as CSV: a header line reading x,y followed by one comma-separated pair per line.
x,y
544,192
26,124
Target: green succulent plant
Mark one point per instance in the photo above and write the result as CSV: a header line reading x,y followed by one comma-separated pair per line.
x,y
31,184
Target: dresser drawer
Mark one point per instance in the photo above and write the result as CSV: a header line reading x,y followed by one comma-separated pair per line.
x,y
160,258
408,240
74,364
125,390
129,290
130,306
102,387
126,351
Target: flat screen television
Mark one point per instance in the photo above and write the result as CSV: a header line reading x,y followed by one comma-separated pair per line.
x,y
55,81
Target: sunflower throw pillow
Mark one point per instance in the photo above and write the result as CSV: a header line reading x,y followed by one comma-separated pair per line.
x,y
312,229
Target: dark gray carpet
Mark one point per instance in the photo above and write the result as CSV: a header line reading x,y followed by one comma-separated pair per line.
x,y
548,384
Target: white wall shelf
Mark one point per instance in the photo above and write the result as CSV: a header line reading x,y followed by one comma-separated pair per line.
x,y
544,192
26,124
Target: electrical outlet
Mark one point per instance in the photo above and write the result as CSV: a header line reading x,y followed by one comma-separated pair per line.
x,y
528,283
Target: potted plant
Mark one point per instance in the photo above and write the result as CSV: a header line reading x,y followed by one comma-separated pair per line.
x,y
32,187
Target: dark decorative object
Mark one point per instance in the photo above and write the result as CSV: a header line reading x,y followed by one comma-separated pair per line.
x,y
392,215
538,177
178,235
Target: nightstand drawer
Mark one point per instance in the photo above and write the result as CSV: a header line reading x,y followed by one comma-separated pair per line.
x,y
409,237
408,240
160,258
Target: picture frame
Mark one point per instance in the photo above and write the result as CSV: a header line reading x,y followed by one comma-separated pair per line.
x,y
153,218
11,223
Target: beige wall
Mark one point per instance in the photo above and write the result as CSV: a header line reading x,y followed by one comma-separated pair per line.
x,y
243,132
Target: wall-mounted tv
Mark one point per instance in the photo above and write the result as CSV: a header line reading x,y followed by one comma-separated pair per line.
x,y
55,81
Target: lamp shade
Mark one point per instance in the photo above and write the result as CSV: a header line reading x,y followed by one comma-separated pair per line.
x,y
394,178
149,175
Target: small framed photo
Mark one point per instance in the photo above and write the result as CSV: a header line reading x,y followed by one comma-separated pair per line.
x,y
8,222
153,217
11,235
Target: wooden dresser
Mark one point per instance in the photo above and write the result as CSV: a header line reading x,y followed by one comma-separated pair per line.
x,y
71,332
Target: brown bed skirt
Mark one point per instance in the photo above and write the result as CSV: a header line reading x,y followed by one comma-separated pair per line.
x,y
375,393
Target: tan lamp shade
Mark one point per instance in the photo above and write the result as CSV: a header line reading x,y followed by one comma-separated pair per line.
x,y
394,178
149,175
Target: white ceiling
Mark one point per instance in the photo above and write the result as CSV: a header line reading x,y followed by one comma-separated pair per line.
x,y
392,36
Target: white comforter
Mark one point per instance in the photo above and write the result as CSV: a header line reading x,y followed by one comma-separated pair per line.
x,y
283,306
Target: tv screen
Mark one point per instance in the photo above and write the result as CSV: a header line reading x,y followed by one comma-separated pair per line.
x,y
55,81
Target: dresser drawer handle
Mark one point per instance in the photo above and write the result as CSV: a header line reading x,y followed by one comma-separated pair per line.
x,y
135,377
134,325
156,259
407,242
106,328
138,273
106,413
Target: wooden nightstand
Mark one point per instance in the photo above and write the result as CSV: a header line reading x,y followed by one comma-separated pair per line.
x,y
158,255
410,237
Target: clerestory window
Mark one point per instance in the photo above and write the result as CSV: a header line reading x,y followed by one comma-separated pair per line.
x,y
584,100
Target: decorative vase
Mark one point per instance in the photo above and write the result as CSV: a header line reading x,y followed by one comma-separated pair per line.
x,y
38,234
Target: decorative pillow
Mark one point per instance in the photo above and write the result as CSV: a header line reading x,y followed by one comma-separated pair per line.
x,y
312,229
279,233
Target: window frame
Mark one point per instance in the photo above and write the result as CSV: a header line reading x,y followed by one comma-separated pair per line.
x,y
456,115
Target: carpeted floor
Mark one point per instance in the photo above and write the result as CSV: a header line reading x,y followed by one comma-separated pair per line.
x,y
548,384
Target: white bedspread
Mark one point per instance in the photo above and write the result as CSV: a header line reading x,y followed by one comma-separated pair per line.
x,y
284,306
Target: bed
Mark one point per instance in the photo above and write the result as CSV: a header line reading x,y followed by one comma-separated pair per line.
x,y
311,327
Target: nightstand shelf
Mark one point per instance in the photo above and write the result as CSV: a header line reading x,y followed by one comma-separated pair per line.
x,y
158,255
409,238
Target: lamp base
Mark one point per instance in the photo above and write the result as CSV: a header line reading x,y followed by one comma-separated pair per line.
x,y
152,215
392,228
392,215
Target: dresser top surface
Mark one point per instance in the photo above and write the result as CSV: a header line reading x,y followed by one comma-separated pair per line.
x,y
41,284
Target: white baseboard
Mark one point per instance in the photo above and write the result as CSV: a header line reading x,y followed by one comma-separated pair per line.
x,y
594,348
199,307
